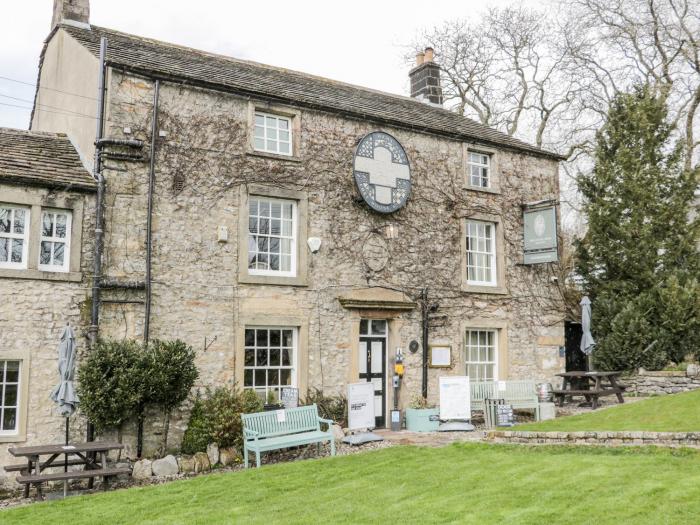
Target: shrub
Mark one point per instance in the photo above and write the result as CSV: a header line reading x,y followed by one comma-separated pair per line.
x,y
109,383
118,379
196,436
217,418
329,407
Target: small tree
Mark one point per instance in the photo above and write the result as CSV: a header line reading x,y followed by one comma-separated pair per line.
x,y
171,375
109,383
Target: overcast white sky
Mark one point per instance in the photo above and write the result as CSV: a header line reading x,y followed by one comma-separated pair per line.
x,y
362,41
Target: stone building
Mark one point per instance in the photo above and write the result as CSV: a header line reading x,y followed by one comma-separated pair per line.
x,y
293,229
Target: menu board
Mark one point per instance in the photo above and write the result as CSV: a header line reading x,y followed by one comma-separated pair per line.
x,y
361,406
289,397
455,398
504,416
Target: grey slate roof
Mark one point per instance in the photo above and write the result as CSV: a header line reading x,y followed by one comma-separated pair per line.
x,y
258,80
42,159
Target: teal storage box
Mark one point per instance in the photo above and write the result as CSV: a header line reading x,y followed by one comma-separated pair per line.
x,y
418,419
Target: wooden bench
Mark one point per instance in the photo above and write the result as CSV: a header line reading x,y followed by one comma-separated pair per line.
x,y
292,427
520,394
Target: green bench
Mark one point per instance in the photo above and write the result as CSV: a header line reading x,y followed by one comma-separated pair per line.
x,y
519,394
277,429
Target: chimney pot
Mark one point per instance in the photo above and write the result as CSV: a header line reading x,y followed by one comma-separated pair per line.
x,y
425,78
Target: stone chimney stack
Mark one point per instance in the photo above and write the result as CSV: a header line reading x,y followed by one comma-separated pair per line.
x,y
425,78
71,11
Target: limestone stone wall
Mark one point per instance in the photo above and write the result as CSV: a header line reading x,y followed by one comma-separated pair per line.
x,y
32,319
658,383
622,438
197,293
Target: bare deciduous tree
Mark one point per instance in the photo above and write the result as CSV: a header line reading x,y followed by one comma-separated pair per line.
x,y
548,75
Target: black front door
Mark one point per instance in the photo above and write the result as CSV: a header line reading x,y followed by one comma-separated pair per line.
x,y
372,364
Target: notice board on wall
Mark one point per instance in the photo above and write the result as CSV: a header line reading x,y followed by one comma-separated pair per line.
x,y
361,406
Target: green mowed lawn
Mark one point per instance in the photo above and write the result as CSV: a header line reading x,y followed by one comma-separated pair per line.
x,y
672,413
461,483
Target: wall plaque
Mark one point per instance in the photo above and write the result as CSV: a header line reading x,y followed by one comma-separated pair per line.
x,y
382,172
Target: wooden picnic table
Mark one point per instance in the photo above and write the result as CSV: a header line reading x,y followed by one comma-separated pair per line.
x,y
86,454
591,385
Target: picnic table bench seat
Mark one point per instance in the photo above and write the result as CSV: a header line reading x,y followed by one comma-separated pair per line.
x,y
73,474
291,427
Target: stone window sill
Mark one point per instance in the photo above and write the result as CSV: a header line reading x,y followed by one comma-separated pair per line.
x,y
272,280
494,191
275,156
495,290
14,438
39,275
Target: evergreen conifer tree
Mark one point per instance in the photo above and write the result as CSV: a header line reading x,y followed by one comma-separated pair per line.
x,y
640,252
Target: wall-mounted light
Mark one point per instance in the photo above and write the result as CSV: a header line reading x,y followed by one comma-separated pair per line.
x,y
391,231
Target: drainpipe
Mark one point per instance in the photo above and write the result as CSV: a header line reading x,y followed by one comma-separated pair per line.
x,y
99,205
99,215
149,218
425,310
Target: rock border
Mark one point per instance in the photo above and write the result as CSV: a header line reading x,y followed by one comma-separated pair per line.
x,y
605,438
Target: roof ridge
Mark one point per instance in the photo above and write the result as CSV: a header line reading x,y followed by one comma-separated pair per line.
x,y
270,66
18,131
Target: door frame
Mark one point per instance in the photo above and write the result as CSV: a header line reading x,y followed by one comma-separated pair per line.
x,y
385,365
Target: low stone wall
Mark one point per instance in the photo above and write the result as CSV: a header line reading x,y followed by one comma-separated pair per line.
x,y
664,439
649,383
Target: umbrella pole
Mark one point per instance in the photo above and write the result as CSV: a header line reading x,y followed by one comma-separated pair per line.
x,y
65,461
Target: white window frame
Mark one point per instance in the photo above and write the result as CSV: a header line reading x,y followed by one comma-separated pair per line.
x,y
53,239
293,239
471,163
492,254
479,362
18,403
24,236
295,356
265,128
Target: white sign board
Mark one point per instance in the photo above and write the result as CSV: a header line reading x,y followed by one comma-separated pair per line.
x,y
361,406
455,398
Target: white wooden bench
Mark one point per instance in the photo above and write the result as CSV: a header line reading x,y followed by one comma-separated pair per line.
x,y
265,431
520,394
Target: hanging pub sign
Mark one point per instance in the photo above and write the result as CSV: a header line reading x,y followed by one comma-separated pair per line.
x,y
540,230
382,172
